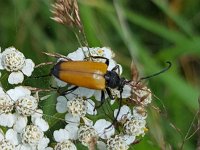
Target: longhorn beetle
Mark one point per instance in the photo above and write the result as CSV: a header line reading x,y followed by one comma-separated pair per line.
x,y
93,75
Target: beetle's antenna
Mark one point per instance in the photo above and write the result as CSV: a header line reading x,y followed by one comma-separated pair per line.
x,y
155,74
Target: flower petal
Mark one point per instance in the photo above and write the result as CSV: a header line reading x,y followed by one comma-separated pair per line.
x,y
101,145
18,92
7,120
28,67
73,131
101,126
78,54
125,112
84,92
129,139
91,107
1,135
1,91
43,143
61,135
61,105
20,123
16,77
69,118
87,121
12,136
1,67
126,91
60,83
42,124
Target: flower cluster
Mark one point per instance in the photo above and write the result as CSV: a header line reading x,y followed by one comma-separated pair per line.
x,y
88,120
17,106
80,104
14,61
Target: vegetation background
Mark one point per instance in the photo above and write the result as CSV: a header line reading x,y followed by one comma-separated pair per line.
x,y
150,32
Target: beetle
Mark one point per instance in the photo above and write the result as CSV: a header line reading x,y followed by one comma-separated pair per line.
x,y
89,74
93,75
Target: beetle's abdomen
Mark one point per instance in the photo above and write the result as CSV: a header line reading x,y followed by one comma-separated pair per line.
x,y
81,73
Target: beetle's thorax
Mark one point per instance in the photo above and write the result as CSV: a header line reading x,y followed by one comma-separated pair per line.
x,y
113,80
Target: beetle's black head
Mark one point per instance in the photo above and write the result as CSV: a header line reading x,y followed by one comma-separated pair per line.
x,y
113,80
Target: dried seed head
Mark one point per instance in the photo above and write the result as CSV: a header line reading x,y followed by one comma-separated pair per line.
x,y
66,12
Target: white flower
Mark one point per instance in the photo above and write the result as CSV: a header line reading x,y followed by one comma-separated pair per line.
x,y
65,145
14,61
7,119
103,52
6,103
26,105
76,108
117,143
135,127
32,135
5,144
87,135
101,126
142,96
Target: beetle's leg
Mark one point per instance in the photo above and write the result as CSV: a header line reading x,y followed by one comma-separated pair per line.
x,y
116,68
109,93
107,60
102,99
69,91
120,105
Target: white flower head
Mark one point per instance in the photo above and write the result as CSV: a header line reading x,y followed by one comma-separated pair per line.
x,y
26,105
103,52
117,142
135,127
65,145
6,104
5,144
14,61
32,135
143,96
77,107
87,135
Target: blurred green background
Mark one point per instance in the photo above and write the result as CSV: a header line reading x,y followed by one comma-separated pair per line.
x,y
150,32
